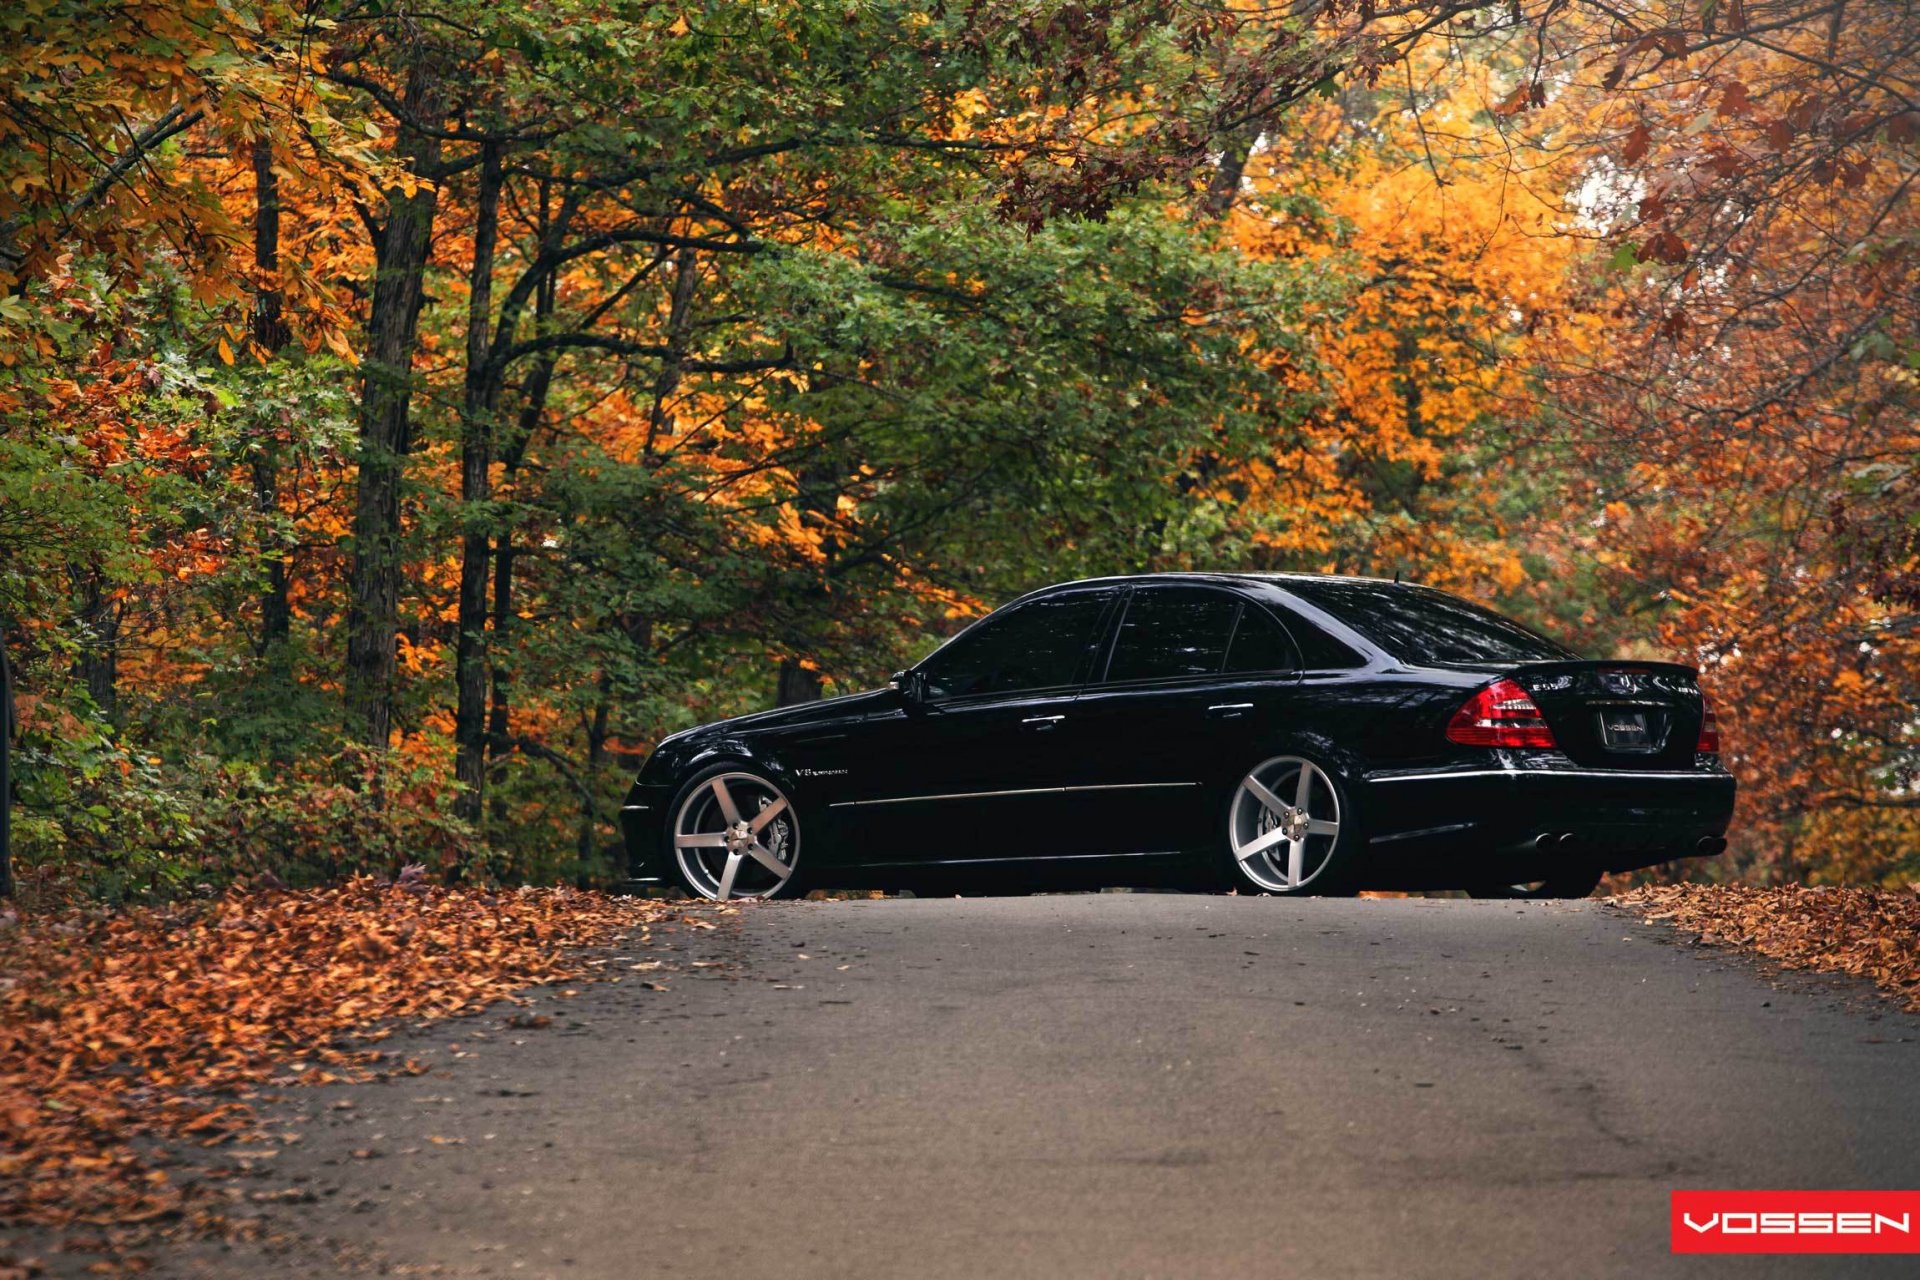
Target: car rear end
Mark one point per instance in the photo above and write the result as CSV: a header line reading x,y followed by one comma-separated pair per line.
x,y
1514,760
1545,766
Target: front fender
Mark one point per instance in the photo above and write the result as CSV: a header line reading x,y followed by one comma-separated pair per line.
x,y
646,815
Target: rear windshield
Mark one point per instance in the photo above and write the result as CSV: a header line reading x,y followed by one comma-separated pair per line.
x,y
1420,625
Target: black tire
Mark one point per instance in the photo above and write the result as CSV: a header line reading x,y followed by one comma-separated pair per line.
x,y
699,810
1328,870
1565,884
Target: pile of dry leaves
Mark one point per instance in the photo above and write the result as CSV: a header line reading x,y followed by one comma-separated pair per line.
x,y
120,1027
1870,933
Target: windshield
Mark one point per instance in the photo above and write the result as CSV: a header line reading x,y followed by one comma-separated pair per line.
x,y
1421,626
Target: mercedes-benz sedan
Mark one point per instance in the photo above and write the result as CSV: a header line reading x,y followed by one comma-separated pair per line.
x,y
1270,733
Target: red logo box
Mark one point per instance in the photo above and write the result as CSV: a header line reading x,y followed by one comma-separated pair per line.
x,y
1795,1221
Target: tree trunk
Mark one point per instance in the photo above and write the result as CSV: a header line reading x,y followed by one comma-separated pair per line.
x,y
818,499
270,335
499,714
6,767
596,757
796,685
513,452
401,249
1223,186
99,662
679,325
476,460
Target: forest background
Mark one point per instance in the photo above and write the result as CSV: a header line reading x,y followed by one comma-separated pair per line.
x,y
412,410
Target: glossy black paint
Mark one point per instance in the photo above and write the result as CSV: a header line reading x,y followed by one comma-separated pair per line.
x,y
1128,781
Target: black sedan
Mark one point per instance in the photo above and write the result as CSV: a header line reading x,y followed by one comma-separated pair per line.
x,y
1270,733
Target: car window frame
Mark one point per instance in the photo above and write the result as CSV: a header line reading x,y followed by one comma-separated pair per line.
x,y
1289,617
1391,655
1102,630
1294,672
1241,600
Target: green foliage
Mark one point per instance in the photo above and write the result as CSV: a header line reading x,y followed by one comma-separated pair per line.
x,y
98,816
950,329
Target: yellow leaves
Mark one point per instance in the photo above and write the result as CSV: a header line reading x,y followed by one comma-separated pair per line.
x,y
1523,97
336,342
226,352
1849,682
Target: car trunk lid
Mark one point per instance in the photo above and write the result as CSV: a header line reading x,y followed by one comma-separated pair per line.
x,y
1618,715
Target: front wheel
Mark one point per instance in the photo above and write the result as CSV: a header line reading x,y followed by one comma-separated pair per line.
x,y
734,835
1289,830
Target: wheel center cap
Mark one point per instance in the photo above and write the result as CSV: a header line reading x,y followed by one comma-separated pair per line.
x,y
739,838
1295,824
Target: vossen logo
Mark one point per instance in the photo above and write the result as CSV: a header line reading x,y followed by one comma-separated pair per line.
x,y
1794,1221
1811,1224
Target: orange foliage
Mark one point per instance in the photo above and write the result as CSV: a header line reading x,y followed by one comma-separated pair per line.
x,y
201,1003
1743,431
1867,933
1458,272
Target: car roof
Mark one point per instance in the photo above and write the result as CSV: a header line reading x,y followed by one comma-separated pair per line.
x,y
1224,576
1339,627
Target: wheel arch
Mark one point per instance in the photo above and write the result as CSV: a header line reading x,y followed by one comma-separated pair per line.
x,y
723,758
1322,748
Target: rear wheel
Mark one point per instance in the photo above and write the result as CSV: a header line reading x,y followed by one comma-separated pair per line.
x,y
1289,827
1565,884
734,835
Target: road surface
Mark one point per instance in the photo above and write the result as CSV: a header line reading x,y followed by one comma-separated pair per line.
x,y
1112,1085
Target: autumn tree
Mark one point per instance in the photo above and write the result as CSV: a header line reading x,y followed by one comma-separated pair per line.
x,y
761,132
1742,436
513,384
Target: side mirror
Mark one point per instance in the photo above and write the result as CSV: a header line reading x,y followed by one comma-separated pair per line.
x,y
909,685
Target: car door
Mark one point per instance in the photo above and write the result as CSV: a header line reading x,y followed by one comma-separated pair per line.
x,y
974,766
1196,676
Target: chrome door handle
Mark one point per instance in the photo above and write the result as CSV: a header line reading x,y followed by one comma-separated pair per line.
x,y
1228,710
1040,724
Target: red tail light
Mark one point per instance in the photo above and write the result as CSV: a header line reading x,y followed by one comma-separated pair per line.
x,y
1500,715
1709,743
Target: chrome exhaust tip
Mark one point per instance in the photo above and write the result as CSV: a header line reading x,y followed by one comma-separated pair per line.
x,y
1710,845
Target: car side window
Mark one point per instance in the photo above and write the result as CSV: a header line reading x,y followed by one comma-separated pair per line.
x,y
1042,644
1260,644
1318,650
1173,631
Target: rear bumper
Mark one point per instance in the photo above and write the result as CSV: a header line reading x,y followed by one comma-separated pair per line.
x,y
1515,821
643,818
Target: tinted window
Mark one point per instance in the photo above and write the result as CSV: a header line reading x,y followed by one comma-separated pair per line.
x,y
1318,650
1038,645
1173,631
1259,644
1419,624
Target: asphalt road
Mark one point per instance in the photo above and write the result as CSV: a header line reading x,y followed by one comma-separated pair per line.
x,y
1117,1085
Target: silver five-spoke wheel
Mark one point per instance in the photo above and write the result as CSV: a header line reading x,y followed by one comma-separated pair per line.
x,y
736,836
1284,823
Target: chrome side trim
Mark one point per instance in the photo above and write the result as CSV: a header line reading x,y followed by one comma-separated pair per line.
x,y
1546,773
630,808
1424,831
1025,791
